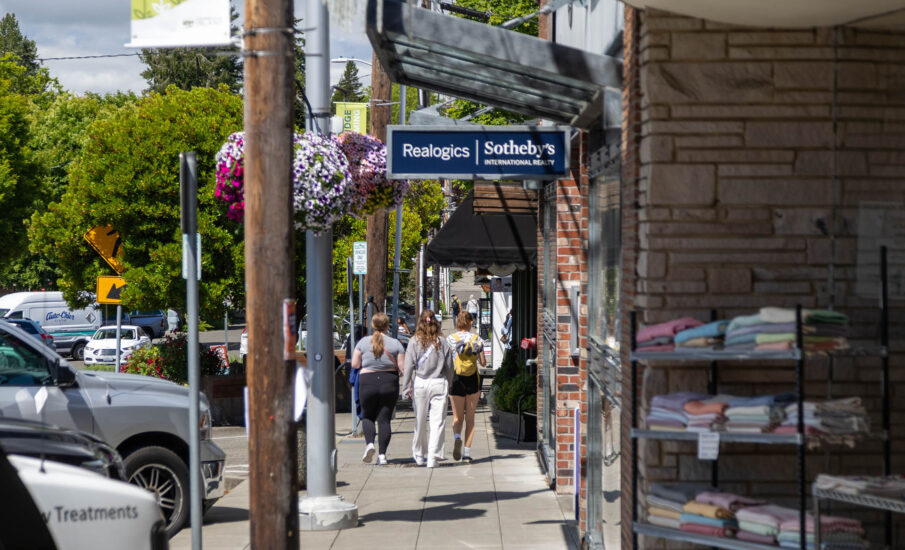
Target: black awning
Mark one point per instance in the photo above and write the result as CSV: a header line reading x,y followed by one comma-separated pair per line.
x,y
490,65
498,242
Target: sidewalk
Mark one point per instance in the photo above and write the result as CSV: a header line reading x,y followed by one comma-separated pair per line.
x,y
499,501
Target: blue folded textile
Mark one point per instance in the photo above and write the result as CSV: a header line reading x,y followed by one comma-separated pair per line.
x,y
704,520
744,321
775,399
749,338
710,330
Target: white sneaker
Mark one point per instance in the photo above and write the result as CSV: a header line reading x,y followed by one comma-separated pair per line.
x,y
381,459
369,453
418,460
431,463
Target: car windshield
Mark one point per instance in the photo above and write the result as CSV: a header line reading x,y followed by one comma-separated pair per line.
x,y
110,334
3,312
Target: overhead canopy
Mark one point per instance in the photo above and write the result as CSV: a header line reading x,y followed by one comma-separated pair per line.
x,y
501,243
490,65
880,14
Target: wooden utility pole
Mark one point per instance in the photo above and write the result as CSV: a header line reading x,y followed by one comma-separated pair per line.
x,y
377,237
270,274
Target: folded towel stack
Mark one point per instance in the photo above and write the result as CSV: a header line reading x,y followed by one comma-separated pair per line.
x,y
833,530
713,513
706,415
666,502
757,414
836,417
667,412
761,524
661,337
822,330
707,337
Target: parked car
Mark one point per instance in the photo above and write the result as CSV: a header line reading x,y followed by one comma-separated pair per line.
x,y
68,508
101,349
39,440
70,328
34,329
145,419
154,322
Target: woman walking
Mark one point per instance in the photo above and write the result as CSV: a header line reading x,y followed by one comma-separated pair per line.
x,y
427,376
381,359
468,353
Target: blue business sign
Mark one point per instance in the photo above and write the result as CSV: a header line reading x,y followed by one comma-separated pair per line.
x,y
485,152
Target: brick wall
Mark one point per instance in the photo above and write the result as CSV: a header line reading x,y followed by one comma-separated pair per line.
x,y
735,203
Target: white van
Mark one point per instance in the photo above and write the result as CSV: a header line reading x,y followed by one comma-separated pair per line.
x,y
71,328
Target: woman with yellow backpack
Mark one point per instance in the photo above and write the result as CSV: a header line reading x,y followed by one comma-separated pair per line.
x,y
468,353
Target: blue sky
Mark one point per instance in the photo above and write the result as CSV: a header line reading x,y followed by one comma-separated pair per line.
x,y
66,28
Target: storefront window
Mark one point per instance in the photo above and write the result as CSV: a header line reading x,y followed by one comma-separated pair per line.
x,y
605,274
549,295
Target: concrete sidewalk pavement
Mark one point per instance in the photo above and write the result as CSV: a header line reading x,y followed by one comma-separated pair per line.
x,y
499,501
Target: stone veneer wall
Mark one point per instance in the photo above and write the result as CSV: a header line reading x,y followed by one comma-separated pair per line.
x,y
735,198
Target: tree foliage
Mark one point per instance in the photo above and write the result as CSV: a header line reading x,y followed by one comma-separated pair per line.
x,y
14,42
127,175
349,87
16,173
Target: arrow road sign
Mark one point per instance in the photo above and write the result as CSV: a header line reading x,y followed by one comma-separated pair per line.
x,y
110,289
106,241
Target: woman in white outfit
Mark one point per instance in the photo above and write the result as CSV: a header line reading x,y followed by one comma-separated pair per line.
x,y
427,375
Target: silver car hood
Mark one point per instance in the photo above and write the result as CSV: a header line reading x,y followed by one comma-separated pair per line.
x,y
119,383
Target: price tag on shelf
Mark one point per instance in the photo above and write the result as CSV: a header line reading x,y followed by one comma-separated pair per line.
x,y
708,445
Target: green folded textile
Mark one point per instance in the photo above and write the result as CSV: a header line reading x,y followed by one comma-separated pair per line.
x,y
767,338
758,528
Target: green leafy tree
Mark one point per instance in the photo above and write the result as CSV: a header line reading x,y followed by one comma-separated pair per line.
x,y
187,68
128,176
13,41
298,52
16,173
349,88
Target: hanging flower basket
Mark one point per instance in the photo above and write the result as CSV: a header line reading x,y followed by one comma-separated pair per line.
x,y
322,189
368,166
230,175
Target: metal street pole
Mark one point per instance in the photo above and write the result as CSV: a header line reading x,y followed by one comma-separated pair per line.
x,y
398,252
322,509
270,274
352,342
188,185
119,337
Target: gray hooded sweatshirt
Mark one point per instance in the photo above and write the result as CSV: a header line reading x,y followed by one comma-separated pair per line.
x,y
439,364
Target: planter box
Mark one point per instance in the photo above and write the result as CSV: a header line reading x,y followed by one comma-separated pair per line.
x,y
224,393
522,427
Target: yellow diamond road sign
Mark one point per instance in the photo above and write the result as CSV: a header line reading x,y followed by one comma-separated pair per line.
x,y
110,289
105,240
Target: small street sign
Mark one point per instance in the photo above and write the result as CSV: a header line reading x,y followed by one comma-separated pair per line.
x,y
110,289
107,242
359,258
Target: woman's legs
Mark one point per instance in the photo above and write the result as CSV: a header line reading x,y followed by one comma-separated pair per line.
x,y
458,410
389,392
369,395
471,403
420,402
438,390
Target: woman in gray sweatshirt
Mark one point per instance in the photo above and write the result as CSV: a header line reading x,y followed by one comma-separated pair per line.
x,y
426,378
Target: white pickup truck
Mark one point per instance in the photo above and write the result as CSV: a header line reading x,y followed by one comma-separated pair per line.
x,y
145,419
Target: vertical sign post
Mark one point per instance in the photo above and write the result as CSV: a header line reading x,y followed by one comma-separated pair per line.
x,y
191,255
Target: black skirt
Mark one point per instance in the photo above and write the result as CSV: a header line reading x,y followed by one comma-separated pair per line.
x,y
465,385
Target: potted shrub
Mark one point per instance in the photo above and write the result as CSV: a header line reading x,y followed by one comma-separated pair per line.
x,y
513,393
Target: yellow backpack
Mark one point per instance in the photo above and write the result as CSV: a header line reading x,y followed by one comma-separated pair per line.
x,y
466,362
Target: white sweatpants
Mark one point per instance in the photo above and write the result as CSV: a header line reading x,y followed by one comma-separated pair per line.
x,y
429,395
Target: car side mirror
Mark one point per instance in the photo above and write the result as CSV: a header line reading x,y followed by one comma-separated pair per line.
x,y
65,377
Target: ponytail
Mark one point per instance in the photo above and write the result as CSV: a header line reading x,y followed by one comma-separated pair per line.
x,y
380,323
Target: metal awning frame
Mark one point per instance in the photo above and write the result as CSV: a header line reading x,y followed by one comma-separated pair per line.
x,y
490,65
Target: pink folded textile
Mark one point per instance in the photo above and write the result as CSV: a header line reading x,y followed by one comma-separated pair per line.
x,y
729,501
706,530
700,407
773,346
828,524
670,328
755,537
767,514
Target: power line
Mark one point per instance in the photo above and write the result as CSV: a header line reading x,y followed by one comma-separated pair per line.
x,y
88,56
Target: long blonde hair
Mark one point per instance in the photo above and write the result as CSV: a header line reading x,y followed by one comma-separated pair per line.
x,y
379,322
428,329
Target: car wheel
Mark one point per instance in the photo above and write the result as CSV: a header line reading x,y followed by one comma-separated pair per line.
x,y
163,473
78,351
148,332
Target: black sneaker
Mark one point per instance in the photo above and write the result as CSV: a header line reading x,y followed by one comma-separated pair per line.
x,y
457,449
467,459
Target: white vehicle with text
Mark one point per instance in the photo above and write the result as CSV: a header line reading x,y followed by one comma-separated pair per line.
x,y
71,328
86,511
